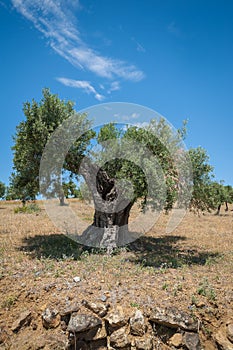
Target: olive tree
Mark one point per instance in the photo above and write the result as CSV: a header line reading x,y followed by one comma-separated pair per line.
x,y
2,189
203,198
221,195
135,164
41,120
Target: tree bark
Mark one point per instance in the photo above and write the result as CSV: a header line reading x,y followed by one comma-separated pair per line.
x,y
218,210
62,199
110,223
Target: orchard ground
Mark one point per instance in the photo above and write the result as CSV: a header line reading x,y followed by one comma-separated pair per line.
x,y
191,268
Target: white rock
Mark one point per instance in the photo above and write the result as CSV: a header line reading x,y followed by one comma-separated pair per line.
x,y
77,279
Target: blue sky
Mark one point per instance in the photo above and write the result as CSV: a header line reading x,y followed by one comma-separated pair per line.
x,y
175,57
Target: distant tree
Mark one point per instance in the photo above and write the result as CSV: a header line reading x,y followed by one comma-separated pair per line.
x,y
229,194
222,195
9,195
70,189
32,134
203,196
2,189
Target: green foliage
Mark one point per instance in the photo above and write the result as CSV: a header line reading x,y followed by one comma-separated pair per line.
x,y
206,290
207,194
165,286
9,301
228,193
70,189
148,153
11,193
221,194
163,143
108,132
32,134
2,189
27,209
202,196
134,304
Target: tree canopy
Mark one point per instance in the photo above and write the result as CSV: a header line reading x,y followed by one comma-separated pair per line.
x,y
41,120
202,196
141,155
208,194
2,189
221,195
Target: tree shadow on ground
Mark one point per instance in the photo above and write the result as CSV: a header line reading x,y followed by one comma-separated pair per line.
x,y
156,252
55,246
165,252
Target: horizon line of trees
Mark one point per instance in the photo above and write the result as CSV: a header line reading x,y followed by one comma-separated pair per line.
x,y
219,195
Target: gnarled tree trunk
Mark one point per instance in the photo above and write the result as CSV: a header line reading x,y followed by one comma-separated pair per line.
x,y
110,224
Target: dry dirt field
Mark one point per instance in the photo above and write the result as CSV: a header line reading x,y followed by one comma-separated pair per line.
x,y
191,268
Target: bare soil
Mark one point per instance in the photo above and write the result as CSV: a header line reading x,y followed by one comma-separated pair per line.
x,y
191,268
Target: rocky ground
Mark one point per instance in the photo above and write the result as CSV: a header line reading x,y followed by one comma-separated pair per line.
x,y
163,291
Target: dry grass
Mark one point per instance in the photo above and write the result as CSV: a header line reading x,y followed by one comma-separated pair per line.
x,y
191,268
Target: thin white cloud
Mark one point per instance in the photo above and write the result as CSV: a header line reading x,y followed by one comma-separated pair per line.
x,y
135,115
128,118
142,125
139,47
115,85
55,20
81,84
